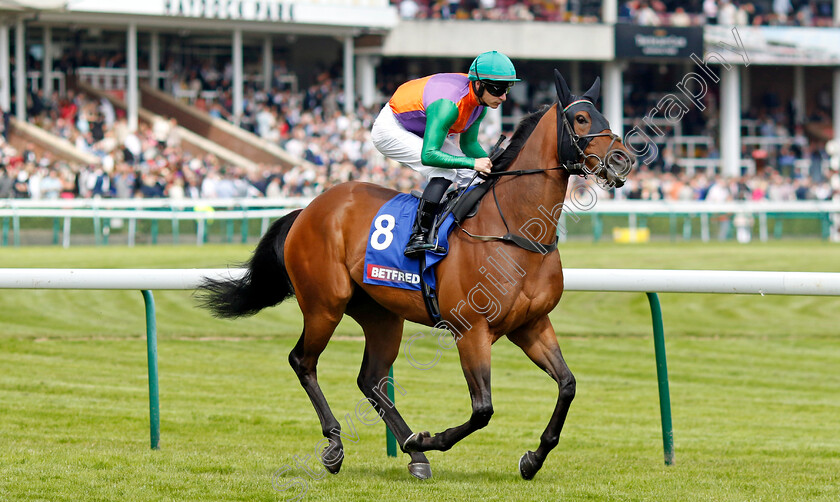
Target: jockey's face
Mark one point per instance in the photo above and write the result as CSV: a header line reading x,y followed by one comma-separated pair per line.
x,y
490,99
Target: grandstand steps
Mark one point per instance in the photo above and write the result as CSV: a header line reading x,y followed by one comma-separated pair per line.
x,y
191,142
217,130
24,135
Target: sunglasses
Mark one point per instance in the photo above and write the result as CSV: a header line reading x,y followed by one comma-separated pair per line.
x,y
497,89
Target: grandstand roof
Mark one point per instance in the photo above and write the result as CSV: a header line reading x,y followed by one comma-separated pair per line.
x,y
32,4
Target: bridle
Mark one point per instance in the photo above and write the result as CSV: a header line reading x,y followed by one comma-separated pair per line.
x,y
575,148
604,171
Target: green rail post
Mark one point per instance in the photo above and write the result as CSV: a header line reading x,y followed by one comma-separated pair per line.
x,y
597,227
16,229
687,227
154,230
390,440
151,347
244,229
56,230
229,232
97,229
6,231
672,226
662,377
174,228
825,219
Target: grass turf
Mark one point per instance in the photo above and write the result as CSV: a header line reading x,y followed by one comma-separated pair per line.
x,y
754,390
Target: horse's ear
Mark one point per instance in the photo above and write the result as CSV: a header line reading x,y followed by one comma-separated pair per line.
x,y
594,92
563,91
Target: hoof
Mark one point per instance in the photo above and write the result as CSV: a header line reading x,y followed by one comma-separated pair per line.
x,y
420,470
332,464
414,441
529,465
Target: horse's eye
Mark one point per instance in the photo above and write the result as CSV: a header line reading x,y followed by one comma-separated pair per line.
x,y
581,119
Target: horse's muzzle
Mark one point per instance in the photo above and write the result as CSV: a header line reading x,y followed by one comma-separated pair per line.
x,y
619,163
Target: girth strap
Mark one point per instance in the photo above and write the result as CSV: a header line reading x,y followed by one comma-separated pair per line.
x,y
429,294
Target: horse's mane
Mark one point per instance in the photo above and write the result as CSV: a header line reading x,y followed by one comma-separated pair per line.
x,y
517,141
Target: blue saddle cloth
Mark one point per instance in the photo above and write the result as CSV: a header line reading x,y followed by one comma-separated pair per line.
x,y
385,264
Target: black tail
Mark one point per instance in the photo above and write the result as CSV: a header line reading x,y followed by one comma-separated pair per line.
x,y
266,283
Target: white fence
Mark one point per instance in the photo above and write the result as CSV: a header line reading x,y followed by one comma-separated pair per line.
x,y
620,280
98,203
201,211
609,280
104,218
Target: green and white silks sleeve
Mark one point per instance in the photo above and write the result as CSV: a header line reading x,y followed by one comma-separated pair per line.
x,y
440,116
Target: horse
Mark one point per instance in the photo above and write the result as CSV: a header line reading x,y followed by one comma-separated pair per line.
x,y
317,254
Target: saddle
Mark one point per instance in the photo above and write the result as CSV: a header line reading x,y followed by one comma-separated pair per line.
x,y
462,206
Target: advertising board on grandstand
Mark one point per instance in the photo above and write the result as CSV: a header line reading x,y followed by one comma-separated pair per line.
x,y
633,41
781,45
368,13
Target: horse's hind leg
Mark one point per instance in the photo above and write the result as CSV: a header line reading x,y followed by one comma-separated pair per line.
x,y
539,342
383,332
320,318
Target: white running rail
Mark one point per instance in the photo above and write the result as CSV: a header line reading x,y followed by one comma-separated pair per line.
x,y
618,280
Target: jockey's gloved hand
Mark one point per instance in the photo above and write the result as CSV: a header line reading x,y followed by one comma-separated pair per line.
x,y
483,165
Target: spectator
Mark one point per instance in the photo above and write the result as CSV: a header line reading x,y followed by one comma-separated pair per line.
x,y
6,183
782,10
680,18
710,10
727,14
409,9
646,16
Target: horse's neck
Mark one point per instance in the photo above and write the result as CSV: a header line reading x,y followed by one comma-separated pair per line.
x,y
535,195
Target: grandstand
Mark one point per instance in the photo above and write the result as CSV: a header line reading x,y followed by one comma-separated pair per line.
x,y
165,98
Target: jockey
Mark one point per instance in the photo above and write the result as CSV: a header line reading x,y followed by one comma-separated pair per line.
x,y
425,117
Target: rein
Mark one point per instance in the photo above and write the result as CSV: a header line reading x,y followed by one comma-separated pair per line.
x,y
517,240
521,172
573,147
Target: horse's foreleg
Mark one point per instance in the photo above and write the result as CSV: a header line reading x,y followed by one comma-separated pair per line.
x,y
539,342
475,361
383,331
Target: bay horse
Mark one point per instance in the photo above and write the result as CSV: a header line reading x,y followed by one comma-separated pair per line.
x,y
318,253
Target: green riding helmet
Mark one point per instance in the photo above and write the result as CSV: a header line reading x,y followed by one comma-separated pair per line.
x,y
493,65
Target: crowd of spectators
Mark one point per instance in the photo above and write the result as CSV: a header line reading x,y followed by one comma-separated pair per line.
x,y
152,163
643,12
770,185
728,12
584,11
310,125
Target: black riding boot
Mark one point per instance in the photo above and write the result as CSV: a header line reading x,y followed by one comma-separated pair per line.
x,y
420,239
